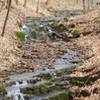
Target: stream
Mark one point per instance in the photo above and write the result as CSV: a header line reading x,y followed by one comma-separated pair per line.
x,y
44,83
34,85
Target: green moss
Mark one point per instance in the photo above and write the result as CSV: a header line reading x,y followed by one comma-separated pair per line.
x,y
43,89
53,88
80,81
59,73
77,81
75,32
77,61
46,76
61,96
40,89
68,70
35,33
97,21
2,89
21,35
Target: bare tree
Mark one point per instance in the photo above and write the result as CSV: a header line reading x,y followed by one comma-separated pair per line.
x,y
37,8
84,6
92,4
88,2
6,18
16,1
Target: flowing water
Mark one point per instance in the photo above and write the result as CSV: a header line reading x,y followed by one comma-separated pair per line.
x,y
44,83
38,29
43,78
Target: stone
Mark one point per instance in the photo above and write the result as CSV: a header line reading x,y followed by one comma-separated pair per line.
x,y
2,89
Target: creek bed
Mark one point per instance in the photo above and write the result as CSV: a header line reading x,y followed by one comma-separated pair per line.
x,y
44,83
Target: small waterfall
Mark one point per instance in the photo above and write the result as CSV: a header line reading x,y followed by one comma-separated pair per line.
x,y
15,93
27,32
18,96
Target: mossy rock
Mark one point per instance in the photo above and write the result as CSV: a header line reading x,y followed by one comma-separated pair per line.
x,y
46,76
34,33
43,89
21,35
2,89
61,96
65,71
38,34
80,81
69,70
59,73
40,89
76,61
71,25
97,21
76,32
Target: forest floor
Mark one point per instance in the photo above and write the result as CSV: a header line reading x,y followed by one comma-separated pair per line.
x,y
88,43
90,40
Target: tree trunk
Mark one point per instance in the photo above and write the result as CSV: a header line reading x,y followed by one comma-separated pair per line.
x,y
25,3
16,2
84,6
7,15
92,4
37,8
88,5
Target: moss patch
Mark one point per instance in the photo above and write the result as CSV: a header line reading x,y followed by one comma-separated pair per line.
x,y
46,76
76,61
40,89
60,96
20,35
2,89
97,21
75,32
